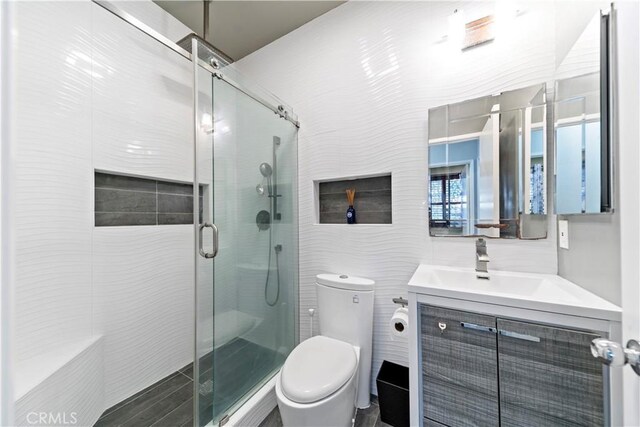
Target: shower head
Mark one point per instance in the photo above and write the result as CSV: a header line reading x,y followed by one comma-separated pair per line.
x,y
266,170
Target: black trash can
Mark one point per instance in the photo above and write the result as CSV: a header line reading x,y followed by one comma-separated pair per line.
x,y
393,394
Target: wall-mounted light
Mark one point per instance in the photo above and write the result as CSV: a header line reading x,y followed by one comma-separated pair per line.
x,y
478,32
464,35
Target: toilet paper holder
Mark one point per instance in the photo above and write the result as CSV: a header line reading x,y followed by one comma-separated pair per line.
x,y
402,301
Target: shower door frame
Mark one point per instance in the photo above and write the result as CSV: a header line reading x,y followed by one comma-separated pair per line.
x,y
283,113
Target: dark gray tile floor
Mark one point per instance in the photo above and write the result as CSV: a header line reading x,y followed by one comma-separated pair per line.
x,y
162,404
169,402
369,417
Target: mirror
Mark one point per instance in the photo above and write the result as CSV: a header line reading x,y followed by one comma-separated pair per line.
x,y
581,123
487,166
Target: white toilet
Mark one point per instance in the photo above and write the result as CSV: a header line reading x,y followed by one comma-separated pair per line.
x,y
327,376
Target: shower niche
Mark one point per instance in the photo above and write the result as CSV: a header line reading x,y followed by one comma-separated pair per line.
x,y
121,200
372,203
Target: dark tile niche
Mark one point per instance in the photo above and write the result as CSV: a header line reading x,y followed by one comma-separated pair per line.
x,y
124,200
372,203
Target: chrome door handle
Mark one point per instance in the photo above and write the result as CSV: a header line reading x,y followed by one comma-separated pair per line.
x,y
612,354
213,227
518,336
478,327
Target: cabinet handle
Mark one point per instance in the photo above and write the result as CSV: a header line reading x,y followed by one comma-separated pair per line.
x,y
478,327
518,336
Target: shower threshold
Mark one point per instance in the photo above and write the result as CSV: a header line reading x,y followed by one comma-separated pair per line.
x,y
228,374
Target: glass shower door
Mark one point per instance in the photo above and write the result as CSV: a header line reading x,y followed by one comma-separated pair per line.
x,y
247,294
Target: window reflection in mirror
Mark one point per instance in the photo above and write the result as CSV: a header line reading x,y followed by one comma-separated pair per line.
x,y
452,199
487,166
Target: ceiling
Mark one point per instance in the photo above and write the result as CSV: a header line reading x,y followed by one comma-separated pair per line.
x,y
238,28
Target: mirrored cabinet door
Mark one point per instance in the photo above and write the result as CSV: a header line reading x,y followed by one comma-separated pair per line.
x,y
583,166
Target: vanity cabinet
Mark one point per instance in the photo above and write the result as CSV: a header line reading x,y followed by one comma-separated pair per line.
x,y
548,376
482,370
460,368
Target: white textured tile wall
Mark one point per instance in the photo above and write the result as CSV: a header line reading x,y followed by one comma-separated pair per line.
x,y
53,184
72,395
93,92
142,276
7,374
362,78
114,99
143,303
142,103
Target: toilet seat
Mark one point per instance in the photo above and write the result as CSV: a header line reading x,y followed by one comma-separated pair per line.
x,y
317,368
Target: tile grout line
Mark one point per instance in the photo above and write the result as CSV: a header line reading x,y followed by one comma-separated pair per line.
x,y
145,213
161,382
157,214
159,401
190,401
130,190
180,372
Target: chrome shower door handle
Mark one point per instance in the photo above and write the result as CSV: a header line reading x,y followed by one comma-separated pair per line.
x,y
213,227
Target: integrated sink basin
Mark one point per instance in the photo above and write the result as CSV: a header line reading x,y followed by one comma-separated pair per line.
x,y
545,292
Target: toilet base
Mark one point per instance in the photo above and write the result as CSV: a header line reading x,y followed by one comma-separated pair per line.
x,y
336,410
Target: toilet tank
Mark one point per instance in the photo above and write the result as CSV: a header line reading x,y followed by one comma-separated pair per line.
x,y
345,312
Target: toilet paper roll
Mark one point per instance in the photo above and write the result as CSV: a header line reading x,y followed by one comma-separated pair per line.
x,y
400,322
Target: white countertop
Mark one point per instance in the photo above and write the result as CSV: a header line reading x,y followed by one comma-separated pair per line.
x,y
543,292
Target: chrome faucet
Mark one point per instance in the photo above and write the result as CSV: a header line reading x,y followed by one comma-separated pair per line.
x,y
481,259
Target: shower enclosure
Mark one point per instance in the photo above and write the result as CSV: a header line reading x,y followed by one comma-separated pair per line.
x,y
246,240
157,187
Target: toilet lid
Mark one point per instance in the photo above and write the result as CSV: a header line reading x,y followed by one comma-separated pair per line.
x,y
316,368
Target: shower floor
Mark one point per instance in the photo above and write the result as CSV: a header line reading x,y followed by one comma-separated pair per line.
x,y
169,402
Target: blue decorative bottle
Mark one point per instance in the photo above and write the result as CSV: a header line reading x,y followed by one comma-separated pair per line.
x,y
351,215
351,212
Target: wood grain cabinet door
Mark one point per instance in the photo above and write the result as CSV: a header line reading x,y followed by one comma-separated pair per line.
x,y
548,377
459,367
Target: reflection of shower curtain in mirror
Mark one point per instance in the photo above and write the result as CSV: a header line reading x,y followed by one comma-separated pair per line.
x,y
537,188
